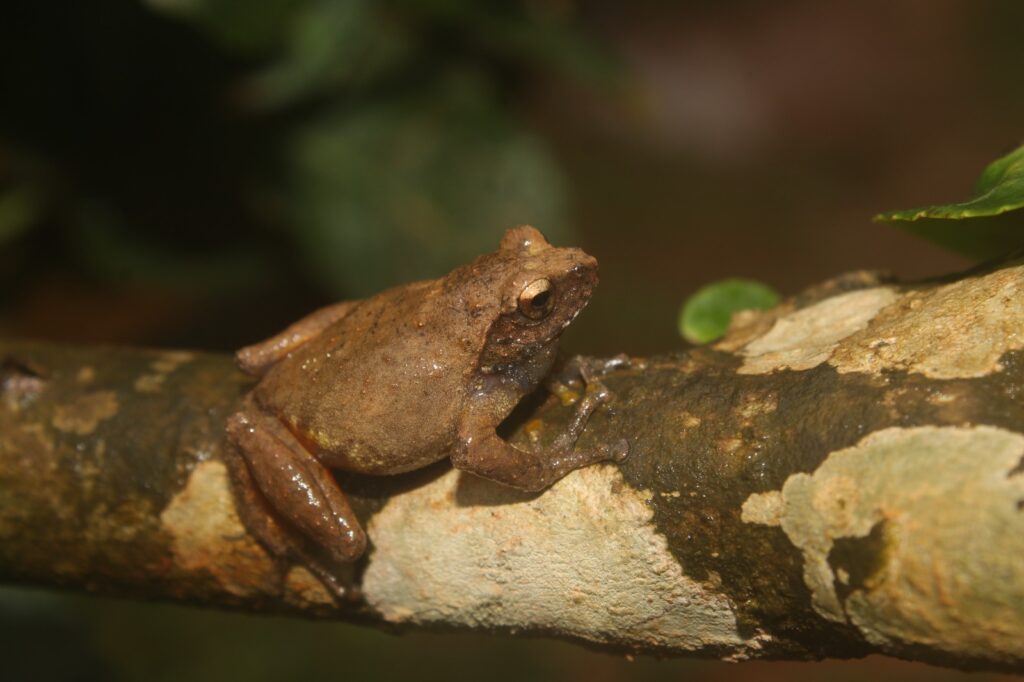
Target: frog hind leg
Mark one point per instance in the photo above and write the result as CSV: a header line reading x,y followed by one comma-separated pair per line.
x,y
489,456
288,500
257,358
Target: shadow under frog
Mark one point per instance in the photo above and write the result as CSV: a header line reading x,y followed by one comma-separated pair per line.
x,y
404,379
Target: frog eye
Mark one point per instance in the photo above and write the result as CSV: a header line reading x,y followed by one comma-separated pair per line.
x,y
537,299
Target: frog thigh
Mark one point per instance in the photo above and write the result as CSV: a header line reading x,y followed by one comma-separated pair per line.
x,y
278,478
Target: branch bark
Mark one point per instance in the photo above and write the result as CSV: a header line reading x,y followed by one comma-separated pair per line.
x,y
838,476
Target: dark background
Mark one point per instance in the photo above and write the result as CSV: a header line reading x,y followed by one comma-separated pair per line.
x,y
199,173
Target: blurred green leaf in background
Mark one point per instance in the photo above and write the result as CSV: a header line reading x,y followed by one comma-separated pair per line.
x,y
988,225
19,208
410,186
401,155
338,145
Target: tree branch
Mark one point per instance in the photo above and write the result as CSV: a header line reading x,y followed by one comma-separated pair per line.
x,y
838,476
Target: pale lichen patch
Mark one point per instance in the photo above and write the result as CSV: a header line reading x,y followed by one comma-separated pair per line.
x,y
302,589
169,361
806,338
754,404
162,366
91,468
941,398
747,325
958,330
582,559
120,522
83,414
208,535
149,383
688,420
763,508
948,574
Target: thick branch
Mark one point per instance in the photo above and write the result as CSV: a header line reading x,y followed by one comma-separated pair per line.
x,y
840,475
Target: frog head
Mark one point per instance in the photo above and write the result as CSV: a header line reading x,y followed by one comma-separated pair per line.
x,y
539,289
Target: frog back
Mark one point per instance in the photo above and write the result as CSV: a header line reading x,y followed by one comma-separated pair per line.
x,y
381,390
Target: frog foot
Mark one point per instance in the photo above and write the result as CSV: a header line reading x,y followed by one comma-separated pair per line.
x,y
585,370
595,395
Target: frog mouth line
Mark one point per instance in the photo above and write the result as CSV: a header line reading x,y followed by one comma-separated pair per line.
x,y
570,320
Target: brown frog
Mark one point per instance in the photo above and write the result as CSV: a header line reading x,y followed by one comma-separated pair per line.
x,y
410,376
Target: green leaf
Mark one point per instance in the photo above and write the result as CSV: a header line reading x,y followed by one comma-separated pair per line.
x,y
406,188
979,238
705,315
994,224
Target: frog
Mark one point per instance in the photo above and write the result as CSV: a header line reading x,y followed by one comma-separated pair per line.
x,y
403,379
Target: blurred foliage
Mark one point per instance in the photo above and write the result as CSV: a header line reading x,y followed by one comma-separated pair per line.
x,y
19,208
411,180
706,315
988,225
996,33
110,245
360,143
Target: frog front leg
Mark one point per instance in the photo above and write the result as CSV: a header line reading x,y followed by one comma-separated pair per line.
x,y
481,451
587,370
288,499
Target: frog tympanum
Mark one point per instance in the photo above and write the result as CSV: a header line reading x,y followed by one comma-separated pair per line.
x,y
403,379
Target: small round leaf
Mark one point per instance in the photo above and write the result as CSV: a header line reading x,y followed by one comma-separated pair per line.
x,y
705,315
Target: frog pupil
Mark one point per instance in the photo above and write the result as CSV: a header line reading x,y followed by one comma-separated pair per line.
x,y
540,300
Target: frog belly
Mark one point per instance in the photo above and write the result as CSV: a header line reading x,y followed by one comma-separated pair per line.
x,y
363,458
